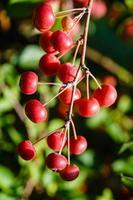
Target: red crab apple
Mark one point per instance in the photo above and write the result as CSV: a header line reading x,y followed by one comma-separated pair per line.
x,y
87,107
49,64
62,110
67,23
106,96
28,83
56,162
61,41
44,17
78,146
26,150
67,72
35,111
45,42
56,140
99,9
128,29
66,96
70,173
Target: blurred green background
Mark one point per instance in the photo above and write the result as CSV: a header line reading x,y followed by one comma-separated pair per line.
x,y
107,166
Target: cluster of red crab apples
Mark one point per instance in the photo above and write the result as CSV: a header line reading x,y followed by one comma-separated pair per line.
x,y
61,42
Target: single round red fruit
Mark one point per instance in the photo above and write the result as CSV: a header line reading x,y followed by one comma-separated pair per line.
x,y
35,111
44,17
128,29
78,146
26,150
111,80
61,41
56,140
106,96
87,107
67,23
67,72
62,110
45,42
70,173
28,83
56,162
49,64
66,96
99,9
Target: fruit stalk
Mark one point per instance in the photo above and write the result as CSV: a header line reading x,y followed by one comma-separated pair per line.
x,y
82,63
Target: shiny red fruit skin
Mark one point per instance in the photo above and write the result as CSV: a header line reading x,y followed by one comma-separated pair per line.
x,y
105,96
88,107
56,162
62,110
45,42
35,111
26,150
49,64
28,83
70,173
44,17
67,72
78,146
61,41
66,96
55,140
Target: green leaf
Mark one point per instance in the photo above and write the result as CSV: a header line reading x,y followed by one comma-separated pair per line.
x,y
6,178
129,4
23,1
126,146
98,120
128,181
107,195
117,133
124,166
29,57
124,103
87,158
54,124
4,196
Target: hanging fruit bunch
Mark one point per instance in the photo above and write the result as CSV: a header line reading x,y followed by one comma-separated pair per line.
x,y
56,44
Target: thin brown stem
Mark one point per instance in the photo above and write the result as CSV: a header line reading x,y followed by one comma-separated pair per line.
x,y
69,12
76,52
74,129
54,84
86,33
87,85
77,21
57,94
98,84
68,143
82,63
45,136
63,142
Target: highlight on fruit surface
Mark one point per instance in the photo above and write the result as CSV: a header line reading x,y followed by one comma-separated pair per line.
x,y
70,172
35,111
28,83
44,17
26,150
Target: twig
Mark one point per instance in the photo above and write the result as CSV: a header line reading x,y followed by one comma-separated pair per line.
x,y
43,137
74,130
